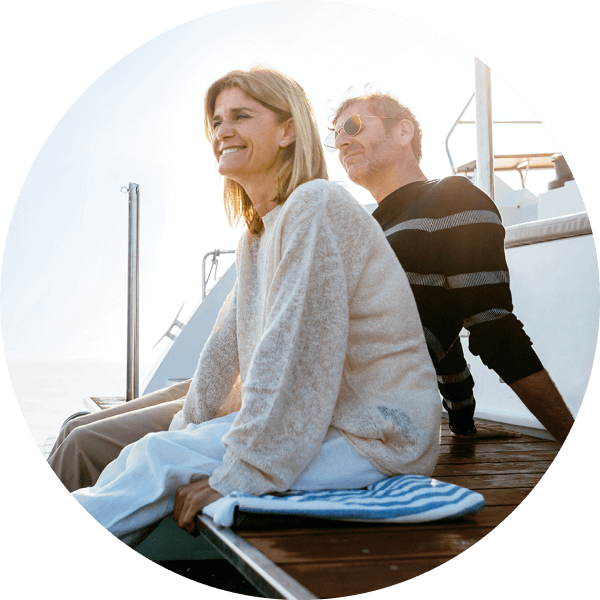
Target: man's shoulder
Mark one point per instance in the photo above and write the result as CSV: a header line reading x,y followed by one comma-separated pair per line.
x,y
432,199
455,194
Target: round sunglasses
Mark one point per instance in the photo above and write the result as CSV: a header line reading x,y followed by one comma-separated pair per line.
x,y
352,126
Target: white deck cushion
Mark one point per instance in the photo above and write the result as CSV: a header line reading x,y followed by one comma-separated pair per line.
x,y
547,230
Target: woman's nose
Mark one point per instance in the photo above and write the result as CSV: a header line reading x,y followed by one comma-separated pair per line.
x,y
224,130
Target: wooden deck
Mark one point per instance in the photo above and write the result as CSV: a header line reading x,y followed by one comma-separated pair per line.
x,y
307,558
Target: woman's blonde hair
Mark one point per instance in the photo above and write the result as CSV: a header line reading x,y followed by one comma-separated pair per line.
x,y
301,161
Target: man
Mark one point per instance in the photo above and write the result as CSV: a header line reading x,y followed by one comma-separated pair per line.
x,y
449,238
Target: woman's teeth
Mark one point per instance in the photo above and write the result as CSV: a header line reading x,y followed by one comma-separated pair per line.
x,y
230,151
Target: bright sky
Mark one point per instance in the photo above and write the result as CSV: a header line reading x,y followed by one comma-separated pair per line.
x,y
65,268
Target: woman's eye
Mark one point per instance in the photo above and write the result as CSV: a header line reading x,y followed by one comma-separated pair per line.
x,y
239,117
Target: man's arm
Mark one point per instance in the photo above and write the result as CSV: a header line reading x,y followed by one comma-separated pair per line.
x,y
539,394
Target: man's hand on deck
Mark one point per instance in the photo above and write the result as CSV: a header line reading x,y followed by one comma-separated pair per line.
x,y
190,499
488,431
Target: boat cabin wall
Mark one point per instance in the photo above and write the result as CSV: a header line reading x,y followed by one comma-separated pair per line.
x,y
564,200
523,206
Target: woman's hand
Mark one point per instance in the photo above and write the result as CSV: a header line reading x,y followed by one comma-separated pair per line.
x,y
190,499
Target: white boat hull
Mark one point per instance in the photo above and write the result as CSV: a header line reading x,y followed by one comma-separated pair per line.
x,y
180,359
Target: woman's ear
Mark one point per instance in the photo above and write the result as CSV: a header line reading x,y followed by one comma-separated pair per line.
x,y
289,133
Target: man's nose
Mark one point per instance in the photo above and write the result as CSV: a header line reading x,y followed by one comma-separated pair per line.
x,y
342,139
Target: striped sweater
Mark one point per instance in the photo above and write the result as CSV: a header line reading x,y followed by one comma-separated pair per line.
x,y
448,236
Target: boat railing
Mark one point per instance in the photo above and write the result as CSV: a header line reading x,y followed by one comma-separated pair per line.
x,y
459,121
214,264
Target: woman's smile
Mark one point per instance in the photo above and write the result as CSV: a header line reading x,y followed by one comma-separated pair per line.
x,y
229,151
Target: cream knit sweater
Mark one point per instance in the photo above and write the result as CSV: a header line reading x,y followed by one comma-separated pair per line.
x,y
320,330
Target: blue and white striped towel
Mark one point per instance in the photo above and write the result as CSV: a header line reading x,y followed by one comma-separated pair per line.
x,y
401,499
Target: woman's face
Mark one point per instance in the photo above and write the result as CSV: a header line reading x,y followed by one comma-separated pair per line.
x,y
247,138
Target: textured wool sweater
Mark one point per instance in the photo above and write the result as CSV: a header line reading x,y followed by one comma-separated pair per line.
x,y
320,330
448,236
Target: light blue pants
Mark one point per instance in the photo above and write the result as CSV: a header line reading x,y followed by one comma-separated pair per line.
x,y
138,488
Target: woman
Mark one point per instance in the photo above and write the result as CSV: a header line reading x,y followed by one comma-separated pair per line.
x,y
316,374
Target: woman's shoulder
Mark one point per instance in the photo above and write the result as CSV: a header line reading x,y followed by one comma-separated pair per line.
x,y
326,204
317,191
322,197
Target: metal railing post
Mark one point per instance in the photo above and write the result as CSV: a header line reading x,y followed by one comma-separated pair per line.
x,y
483,120
133,294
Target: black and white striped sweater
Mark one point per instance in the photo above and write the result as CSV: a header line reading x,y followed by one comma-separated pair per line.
x,y
448,236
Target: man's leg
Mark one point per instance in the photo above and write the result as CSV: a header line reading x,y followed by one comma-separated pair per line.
x,y
87,444
456,387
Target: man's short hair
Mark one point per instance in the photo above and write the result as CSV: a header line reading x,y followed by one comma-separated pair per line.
x,y
386,105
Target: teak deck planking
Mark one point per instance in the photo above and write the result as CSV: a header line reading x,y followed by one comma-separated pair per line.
x,y
333,559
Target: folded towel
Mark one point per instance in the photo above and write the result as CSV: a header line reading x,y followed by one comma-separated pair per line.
x,y
401,499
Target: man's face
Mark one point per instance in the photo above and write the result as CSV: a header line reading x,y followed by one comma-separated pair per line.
x,y
369,153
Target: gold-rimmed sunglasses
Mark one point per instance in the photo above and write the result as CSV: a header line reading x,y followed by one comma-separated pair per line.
x,y
352,126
